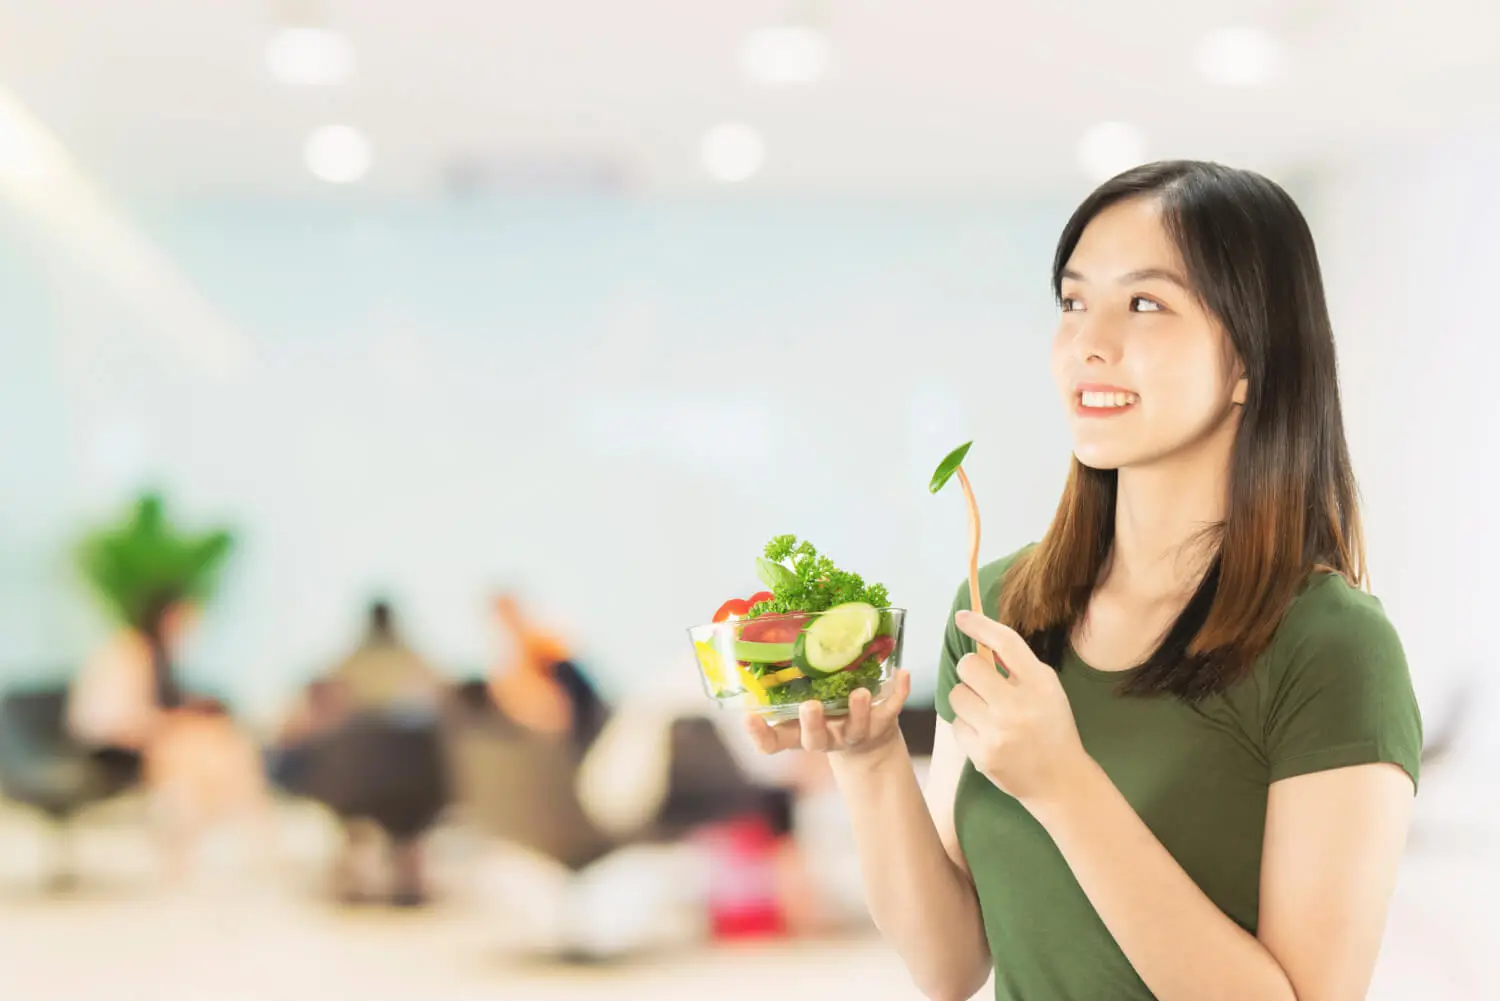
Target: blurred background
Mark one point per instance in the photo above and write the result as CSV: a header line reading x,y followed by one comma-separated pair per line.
x,y
386,386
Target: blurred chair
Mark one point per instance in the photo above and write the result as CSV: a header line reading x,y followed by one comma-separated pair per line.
x,y
378,768
609,815
647,778
43,767
368,744
517,785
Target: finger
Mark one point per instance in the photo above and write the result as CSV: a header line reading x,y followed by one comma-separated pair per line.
x,y
771,739
1009,647
760,733
986,681
857,724
1015,653
966,704
978,627
814,726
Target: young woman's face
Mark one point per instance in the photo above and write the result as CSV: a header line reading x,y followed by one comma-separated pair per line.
x,y
1144,370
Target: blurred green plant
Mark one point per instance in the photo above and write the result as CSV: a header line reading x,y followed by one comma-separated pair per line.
x,y
143,557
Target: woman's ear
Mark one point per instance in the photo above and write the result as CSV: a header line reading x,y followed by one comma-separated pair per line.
x,y
1241,391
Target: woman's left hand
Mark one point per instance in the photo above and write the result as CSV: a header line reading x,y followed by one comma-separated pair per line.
x,y
1018,731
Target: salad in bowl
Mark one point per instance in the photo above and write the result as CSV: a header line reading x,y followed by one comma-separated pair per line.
x,y
817,634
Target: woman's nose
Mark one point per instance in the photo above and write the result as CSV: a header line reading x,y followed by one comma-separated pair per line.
x,y
1097,340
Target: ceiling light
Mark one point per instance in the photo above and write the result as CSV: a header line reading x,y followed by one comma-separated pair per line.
x,y
338,154
1238,57
1110,147
732,152
309,57
788,54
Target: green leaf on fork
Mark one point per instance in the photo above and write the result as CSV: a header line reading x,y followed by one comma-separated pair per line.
x,y
948,467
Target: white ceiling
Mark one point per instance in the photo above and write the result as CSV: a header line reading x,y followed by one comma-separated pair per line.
x,y
171,97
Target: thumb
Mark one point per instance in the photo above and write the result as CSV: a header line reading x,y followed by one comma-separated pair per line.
x,y
896,696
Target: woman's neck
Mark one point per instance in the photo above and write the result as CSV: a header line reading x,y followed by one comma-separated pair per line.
x,y
1161,546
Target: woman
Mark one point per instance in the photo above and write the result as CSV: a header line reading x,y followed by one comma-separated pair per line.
x,y
199,767
1195,776
542,688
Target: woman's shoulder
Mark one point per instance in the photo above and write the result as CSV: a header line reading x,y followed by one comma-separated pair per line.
x,y
1335,633
1339,690
1328,610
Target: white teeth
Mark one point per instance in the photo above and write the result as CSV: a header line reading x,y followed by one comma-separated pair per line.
x,y
1107,400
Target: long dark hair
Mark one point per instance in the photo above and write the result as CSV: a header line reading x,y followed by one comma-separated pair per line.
x,y
1293,505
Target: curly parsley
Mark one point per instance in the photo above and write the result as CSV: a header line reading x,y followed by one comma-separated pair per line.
x,y
801,580
830,689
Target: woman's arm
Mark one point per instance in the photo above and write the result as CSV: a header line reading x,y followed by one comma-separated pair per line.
x,y
917,885
1333,843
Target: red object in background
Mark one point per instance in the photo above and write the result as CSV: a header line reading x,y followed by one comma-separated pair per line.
x,y
760,596
743,900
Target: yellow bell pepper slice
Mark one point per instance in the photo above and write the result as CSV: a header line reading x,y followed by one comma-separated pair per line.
x,y
782,677
713,666
753,686
713,672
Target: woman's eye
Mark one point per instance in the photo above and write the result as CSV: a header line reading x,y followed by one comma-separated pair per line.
x,y
1071,305
1140,304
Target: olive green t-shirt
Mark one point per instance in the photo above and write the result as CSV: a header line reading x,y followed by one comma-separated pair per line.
x,y
1331,690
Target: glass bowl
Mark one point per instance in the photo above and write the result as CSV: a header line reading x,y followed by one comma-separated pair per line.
x,y
771,664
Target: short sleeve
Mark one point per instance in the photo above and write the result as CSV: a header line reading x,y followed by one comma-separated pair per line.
x,y
955,645
1344,697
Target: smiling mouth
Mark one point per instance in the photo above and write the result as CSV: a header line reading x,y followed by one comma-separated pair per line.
x,y
1106,403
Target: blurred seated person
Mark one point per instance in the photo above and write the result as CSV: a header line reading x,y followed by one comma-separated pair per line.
x,y
204,771
608,802
385,676
366,742
117,701
199,767
541,687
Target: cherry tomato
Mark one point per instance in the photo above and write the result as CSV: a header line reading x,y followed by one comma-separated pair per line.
x,y
734,606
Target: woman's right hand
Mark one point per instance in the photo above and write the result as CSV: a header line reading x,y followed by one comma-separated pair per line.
x,y
865,729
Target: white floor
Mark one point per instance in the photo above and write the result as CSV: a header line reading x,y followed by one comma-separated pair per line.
x,y
165,953
125,939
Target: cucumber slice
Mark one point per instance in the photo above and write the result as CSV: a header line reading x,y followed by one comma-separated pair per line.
x,y
763,653
835,639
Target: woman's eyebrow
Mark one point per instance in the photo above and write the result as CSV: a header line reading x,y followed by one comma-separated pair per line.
x,y
1160,274
1144,274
